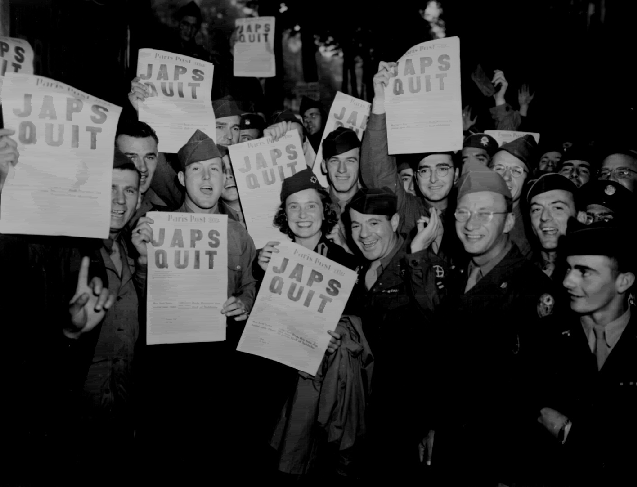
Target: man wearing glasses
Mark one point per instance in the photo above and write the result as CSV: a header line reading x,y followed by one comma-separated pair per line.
x,y
621,167
606,201
514,162
434,174
483,320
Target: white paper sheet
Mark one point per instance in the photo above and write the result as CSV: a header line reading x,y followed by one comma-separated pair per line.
x,y
260,166
187,278
254,47
348,112
504,136
303,295
62,183
423,102
180,100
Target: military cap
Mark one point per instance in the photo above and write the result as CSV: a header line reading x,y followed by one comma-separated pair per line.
x,y
120,159
307,103
403,165
226,107
374,201
549,182
339,141
607,193
481,141
191,9
200,147
300,181
577,154
252,121
600,238
476,178
524,149
286,116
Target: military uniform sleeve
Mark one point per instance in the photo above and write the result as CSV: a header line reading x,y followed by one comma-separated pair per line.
x,y
427,277
505,117
378,168
164,183
246,288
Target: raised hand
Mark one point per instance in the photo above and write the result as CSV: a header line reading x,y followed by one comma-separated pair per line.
x,y
142,235
428,229
386,71
88,306
138,93
499,79
467,121
525,97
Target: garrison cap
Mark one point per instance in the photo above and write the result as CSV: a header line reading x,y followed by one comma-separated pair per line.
x,y
374,201
300,181
549,182
339,141
199,148
226,107
477,178
481,141
286,116
524,149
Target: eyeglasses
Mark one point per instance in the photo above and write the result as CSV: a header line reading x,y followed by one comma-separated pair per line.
x,y
482,217
617,173
516,171
441,171
603,217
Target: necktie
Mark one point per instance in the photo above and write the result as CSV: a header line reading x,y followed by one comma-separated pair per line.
x,y
372,274
473,279
116,257
601,349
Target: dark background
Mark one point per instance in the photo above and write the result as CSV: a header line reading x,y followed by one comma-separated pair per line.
x,y
578,55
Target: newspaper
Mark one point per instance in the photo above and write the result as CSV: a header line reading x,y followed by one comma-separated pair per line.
x,y
303,295
62,183
180,97
423,100
16,56
348,112
504,136
254,47
187,278
260,166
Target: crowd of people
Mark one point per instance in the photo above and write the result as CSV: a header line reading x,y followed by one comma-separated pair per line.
x,y
489,339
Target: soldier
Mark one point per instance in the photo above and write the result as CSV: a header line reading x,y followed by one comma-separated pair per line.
x,y
228,120
576,165
382,300
251,127
551,200
479,148
550,158
591,400
406,174
514,162
620,165
607,201
482,318
314,119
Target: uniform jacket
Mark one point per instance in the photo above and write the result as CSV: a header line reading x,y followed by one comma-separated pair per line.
x,y
327,411
600,448
483,346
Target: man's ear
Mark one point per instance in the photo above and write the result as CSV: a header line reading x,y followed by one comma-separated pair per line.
x,y
395,220
509,222
456,172
624,281
323,167
182,178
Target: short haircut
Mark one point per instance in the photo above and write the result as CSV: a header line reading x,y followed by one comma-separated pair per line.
x,y
129,166
137,129
330,218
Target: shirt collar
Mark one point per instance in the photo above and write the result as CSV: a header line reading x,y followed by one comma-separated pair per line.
x,y
384,262
614,329
489,266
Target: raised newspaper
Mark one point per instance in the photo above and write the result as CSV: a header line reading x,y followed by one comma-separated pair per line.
x,y
423,101
348,112
16,56
62,185
254,47
504,136
187,278
302,297
180,97
260,166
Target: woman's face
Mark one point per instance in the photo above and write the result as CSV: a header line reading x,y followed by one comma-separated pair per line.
x,y
304,211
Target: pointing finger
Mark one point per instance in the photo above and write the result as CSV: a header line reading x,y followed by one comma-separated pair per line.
x,y
82,278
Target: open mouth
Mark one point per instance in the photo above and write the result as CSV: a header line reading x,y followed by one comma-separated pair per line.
x,y
369,246
304,224
206,190
472,238
549,231
118,213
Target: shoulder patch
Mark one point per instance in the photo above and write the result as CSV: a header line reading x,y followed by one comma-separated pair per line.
x,y
545,305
